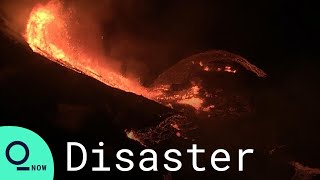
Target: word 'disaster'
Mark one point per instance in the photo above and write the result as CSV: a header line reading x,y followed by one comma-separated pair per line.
x,y
149,156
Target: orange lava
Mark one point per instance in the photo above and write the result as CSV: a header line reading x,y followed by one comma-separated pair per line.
x,y
47,34
193,101
229,69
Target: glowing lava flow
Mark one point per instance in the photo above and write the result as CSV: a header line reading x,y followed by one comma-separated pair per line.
x,y
47,35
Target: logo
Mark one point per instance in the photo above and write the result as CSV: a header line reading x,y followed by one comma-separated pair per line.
x,y
24,155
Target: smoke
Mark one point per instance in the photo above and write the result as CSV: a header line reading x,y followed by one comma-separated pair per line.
x,y
14,15
150,36
85,28
140,38
107,27
83,33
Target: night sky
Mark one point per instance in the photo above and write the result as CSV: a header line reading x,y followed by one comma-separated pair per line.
x,y
271,34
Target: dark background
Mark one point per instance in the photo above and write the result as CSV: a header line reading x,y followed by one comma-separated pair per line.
x,y
280,37
274,35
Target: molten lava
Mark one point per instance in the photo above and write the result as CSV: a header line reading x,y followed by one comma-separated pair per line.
x,y
47,34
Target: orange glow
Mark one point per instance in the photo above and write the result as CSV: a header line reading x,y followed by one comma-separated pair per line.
x,y
229,69
194,102
206,68
47,35
194,96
